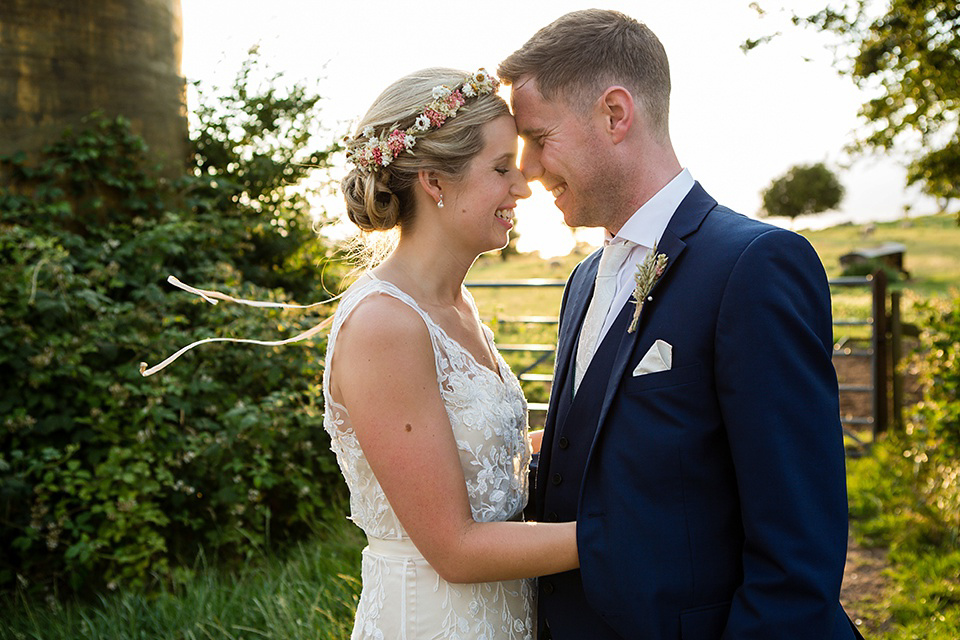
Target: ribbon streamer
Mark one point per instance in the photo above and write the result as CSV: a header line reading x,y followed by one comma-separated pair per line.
x,y
212,297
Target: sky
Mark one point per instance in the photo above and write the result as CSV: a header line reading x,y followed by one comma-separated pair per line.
x,y
737,121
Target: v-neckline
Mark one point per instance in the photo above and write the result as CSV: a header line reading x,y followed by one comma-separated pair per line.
x,y
498,374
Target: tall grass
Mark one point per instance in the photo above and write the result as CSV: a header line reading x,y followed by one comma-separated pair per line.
x,y
310,593
922,598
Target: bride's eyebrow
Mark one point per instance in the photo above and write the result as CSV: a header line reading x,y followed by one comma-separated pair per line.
x,y
507,157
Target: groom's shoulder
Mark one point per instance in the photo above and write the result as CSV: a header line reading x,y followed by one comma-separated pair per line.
x,y
728,237
725,226
726,220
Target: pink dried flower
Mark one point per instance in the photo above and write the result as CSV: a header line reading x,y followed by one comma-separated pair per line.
x,y
436,118
455,100
396,141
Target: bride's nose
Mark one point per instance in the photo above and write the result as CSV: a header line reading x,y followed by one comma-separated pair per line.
x,y
520,188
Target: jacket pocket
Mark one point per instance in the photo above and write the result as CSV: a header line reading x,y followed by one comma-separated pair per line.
x,y
704,623
662,379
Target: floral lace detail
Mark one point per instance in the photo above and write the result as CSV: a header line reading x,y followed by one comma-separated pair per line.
x,y
488,415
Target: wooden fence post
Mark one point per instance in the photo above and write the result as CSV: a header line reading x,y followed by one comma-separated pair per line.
x,y
880,411
896,355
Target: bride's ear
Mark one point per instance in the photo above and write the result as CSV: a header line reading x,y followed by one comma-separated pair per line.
x,y
430,183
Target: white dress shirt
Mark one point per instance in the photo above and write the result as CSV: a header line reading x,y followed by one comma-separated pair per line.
x,y
644,229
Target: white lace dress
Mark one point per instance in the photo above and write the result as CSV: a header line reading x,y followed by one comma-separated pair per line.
x,y
402,596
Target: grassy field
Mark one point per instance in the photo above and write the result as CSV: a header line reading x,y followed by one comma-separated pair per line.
x,y
311,591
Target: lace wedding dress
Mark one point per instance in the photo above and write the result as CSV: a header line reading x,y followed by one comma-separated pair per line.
x,y
402,596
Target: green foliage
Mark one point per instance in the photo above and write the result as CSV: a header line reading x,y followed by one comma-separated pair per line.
x,y
923,599
905,54
801,190
310,593
906,497
107,478
253,144
933,427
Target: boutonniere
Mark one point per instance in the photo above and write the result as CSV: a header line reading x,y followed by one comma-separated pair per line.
x,y
648,272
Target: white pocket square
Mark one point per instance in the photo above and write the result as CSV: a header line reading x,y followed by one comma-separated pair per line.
x,y
658,358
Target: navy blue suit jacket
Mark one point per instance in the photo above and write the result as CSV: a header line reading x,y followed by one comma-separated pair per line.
x,y
710,498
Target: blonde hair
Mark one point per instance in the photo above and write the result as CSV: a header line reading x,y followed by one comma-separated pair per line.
x,y
383,199
582,53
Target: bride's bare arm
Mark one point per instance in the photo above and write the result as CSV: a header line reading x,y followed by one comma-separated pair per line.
x,y
385,375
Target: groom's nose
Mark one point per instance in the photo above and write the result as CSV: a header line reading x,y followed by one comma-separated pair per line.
x,y
530,165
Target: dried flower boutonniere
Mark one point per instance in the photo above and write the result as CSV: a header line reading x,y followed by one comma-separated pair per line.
x,y
648,272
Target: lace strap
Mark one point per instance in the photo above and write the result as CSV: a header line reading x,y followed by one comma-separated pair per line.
x,y
360,291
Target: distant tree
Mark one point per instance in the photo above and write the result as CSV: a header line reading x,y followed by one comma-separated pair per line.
x,y
511,249
801,190
906,53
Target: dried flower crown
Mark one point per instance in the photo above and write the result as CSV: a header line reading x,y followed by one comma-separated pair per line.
x,y
370,151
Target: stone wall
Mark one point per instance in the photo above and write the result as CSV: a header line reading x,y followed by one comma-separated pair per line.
x,y
63,59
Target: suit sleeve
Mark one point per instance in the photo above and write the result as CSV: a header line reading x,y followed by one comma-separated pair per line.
x,y
778,396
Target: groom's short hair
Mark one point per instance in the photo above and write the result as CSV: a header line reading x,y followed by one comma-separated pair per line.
x,y
576,57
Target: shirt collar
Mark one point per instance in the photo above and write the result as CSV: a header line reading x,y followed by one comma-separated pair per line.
x,y
647,224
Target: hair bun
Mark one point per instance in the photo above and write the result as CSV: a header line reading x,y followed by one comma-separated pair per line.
x,y
371,205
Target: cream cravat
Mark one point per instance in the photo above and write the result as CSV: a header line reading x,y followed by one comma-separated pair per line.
x,y
606,286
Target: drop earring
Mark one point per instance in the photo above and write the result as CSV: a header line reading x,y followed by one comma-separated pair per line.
x,y
440,202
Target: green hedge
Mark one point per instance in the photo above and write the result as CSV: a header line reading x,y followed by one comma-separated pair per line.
x,y
108,479
931,445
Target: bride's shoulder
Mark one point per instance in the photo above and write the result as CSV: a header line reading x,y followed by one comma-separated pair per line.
x,y
379,320
381,337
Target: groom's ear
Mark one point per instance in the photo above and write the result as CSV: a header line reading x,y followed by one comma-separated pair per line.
x,y
618,110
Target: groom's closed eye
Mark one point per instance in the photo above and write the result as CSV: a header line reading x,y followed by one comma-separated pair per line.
x,y
534,136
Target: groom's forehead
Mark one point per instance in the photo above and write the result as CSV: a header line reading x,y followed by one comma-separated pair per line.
x,y
526,101
525,89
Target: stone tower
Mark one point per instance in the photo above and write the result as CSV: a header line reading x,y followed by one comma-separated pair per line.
x,y
63,59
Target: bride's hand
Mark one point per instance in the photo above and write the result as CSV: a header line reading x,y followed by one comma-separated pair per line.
x,y
536,438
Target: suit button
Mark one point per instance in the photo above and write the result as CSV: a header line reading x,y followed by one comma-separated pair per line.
x,y
556,479
552,517
563,443
548,588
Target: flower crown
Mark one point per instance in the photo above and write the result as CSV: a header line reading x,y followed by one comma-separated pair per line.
x,y
370,151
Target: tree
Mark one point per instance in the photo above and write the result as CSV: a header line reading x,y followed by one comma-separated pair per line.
x,y
511,249
906,53
108,480
801,190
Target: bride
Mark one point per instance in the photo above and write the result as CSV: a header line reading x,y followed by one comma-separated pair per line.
x,y
427,421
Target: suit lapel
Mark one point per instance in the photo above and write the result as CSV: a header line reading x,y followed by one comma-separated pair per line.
x,y
687,219
581,290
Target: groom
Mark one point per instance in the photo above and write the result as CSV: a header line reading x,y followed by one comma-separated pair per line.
x,y
693,430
